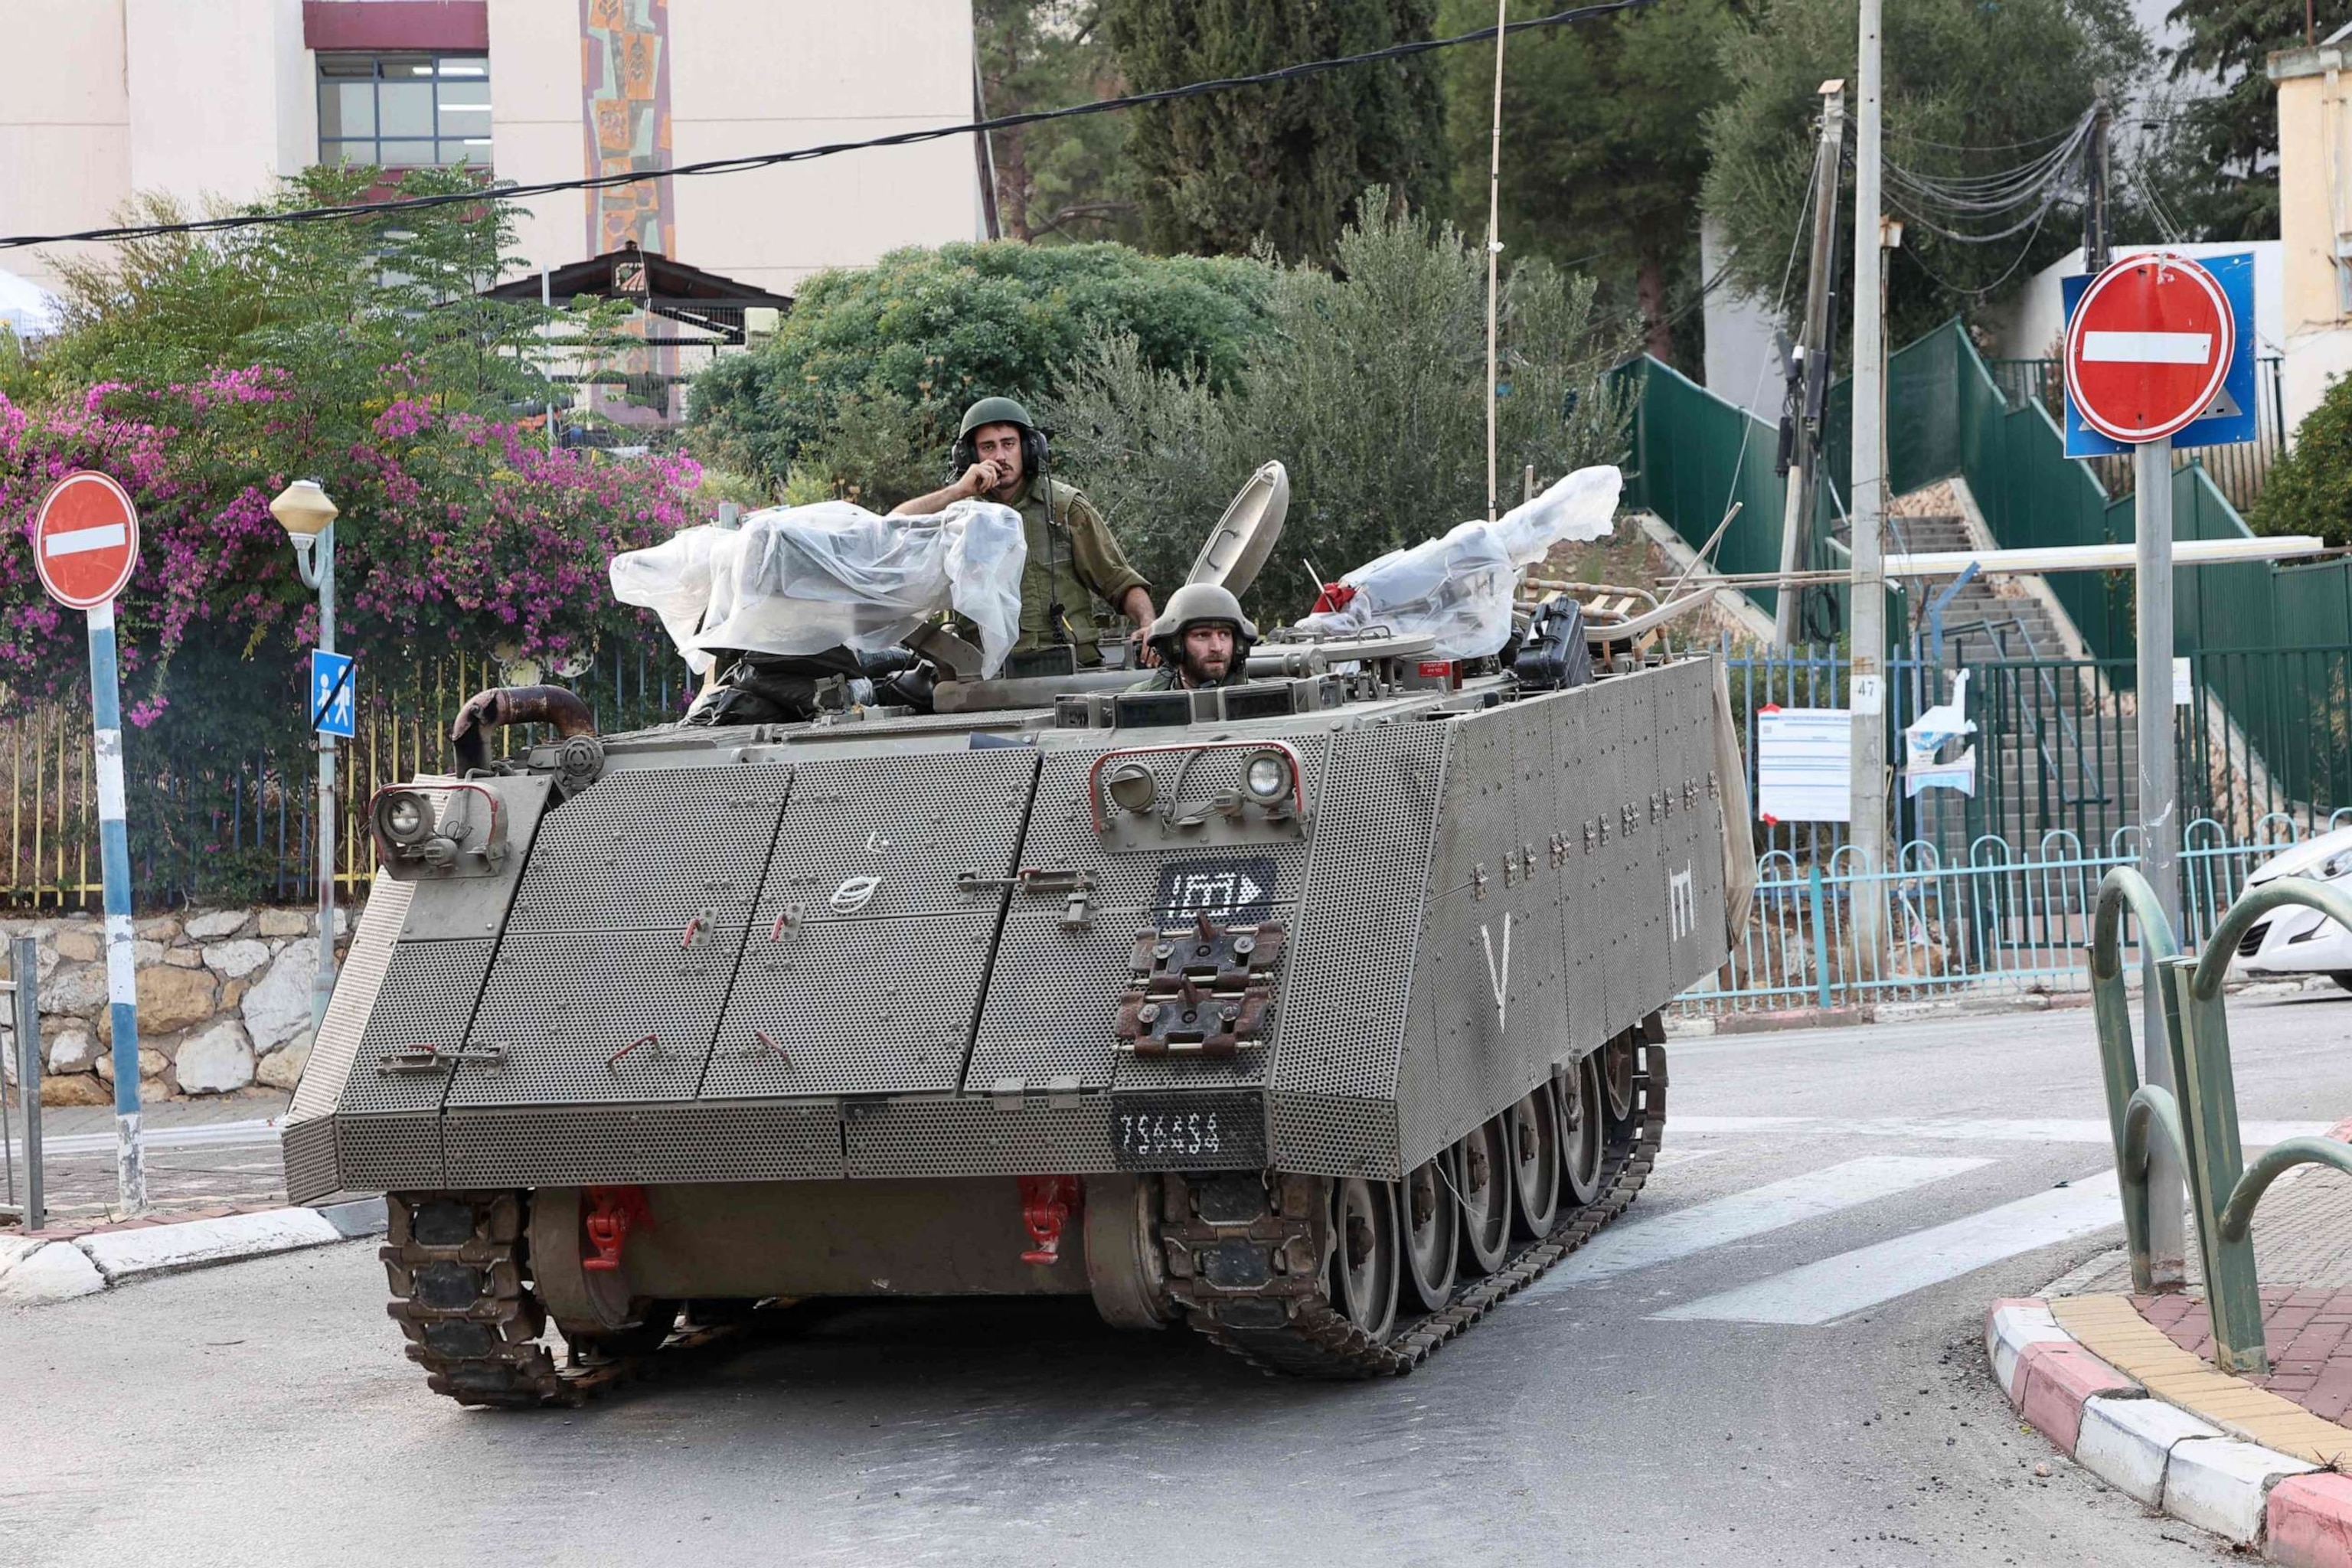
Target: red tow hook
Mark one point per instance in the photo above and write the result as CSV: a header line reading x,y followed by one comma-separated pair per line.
x,y
612,1213
1046,1204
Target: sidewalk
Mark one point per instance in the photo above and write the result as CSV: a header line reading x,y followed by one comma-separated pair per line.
x,y
217,1153
2125,1382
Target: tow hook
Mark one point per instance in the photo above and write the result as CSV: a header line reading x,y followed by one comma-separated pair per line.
x,y
612,1213
1046,1204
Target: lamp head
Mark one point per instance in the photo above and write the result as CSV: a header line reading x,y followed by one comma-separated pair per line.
x,y
303,510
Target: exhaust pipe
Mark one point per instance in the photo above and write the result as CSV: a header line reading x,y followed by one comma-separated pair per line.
x,y
503,705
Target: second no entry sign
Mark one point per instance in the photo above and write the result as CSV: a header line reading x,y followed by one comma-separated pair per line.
x,y
2147,347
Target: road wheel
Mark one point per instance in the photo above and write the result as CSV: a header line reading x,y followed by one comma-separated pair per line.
x,y
1432,1223
1581,1139
1482,1167
1535,1160
1364,1254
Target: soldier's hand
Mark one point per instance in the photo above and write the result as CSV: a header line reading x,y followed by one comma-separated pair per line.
x,y
1146,654
980,478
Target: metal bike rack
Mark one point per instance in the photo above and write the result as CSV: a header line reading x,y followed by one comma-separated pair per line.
x,y
2201,1121
22,988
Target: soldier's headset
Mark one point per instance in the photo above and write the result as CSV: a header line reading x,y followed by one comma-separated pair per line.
x,y
1035,460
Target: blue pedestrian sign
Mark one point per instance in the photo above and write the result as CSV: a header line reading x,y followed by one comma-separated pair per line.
x,y
332,709
2231,416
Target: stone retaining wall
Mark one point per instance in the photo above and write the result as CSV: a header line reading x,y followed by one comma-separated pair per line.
x,y
224,1002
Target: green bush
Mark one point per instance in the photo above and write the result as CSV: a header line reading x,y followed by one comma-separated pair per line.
x,y
1368,386
2309,490
864,385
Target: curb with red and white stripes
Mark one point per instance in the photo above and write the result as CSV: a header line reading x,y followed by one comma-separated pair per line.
x,y
2293,1512
35,1270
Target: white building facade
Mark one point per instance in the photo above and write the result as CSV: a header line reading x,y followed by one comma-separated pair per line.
x,y
214,99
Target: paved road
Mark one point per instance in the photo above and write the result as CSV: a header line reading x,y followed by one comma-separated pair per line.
x,y
1678,1398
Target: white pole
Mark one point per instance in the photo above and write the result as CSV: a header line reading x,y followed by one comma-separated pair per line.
x,y
322,988
546,326
114,860
1493,243
2160,818
1868,594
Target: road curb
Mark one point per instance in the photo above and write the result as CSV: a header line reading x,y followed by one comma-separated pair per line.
x,y
1701,1025
2166,1458
36,1272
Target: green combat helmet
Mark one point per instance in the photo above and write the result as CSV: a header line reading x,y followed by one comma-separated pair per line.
x,y
994,411
1193,603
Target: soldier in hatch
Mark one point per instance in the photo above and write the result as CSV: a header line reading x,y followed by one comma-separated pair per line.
x,y
1073,560
1203,639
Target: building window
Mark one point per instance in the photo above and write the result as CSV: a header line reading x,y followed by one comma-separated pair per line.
x,y
404,110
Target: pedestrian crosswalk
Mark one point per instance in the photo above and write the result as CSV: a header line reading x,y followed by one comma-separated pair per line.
x,y
1837,1288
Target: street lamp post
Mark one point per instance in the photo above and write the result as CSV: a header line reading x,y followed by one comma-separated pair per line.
x,y
309,519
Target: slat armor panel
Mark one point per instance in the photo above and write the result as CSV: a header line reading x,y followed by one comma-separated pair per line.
x,y
651,849
689,1142
913,822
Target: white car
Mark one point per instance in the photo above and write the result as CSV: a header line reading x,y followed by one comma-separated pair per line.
x,y
2294,940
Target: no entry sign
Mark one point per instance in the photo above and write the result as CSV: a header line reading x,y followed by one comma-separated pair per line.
x,y
2149,346
86,539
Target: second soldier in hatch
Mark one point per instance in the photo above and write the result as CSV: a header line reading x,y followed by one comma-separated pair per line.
x,y
1203,639
1073,560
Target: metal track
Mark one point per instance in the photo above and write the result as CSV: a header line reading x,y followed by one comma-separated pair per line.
x,y
1286,1324
458,1262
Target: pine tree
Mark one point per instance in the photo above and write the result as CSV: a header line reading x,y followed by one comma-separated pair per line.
x,y
1283,162
2214,157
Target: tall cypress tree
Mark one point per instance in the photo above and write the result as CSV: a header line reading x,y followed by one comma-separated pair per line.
x,y
1283,162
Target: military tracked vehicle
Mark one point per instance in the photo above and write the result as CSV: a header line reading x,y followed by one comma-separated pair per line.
x,y
1319,1013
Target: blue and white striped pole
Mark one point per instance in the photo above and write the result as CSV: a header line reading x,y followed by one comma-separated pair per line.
x,y
114,857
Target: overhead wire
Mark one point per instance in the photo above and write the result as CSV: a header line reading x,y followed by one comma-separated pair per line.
x,y
750,162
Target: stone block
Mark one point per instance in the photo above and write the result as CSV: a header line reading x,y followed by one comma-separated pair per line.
x,y
56,1272
2054,1381
151,1063
282,1068
214,1060
278,1007
2126,1442
236,959
145,952
215,924
2308,1521
75,1089
168,1248
80,946
286,922
79,989
157,928
72,1050
170,1000
2219,1484
183,958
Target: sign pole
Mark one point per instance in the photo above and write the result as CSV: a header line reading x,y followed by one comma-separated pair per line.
x,y
322,989
2160,818
114,857
1866,603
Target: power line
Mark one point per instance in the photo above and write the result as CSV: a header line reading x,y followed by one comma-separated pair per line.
x,y
804,155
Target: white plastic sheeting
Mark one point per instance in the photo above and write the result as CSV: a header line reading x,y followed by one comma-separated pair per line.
x,y
800,580
1458,588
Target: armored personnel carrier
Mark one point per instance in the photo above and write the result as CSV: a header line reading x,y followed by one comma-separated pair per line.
x,y
1319,1013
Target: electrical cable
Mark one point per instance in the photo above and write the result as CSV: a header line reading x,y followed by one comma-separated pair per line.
x,y
803,154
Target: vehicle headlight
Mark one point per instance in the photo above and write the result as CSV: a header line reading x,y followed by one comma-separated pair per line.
x,y
1266,777
405,818
1134,786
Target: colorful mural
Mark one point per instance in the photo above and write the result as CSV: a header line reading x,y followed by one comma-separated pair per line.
x,y
624,103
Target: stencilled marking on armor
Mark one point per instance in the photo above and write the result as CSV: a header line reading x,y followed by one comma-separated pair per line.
x,y
1682,904
876,843
1499,981
1230,891
855,894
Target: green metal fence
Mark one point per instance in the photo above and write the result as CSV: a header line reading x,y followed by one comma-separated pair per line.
x,y
2238,469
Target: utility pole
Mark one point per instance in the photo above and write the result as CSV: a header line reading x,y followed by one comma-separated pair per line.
x,y
1809,378
1493,241
1867,598
2095,170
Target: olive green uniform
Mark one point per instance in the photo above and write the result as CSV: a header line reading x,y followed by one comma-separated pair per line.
x,y
1083,557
